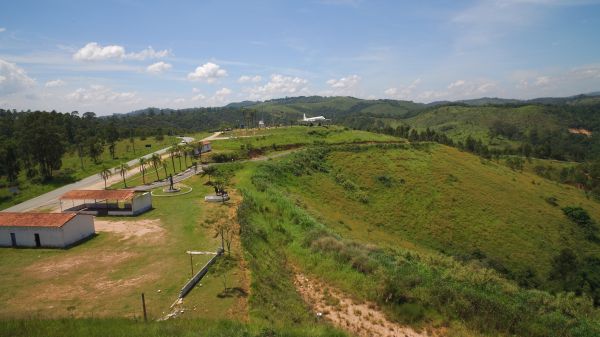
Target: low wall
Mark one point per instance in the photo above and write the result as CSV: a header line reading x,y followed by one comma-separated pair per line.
x,y
199,275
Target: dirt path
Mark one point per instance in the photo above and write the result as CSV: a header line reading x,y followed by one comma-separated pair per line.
x,y
129,228
361,319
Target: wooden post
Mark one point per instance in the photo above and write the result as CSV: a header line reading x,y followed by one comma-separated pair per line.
x,y
192,265
144,307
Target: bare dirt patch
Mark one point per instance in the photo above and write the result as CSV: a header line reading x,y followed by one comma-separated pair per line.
x,y
361,319
61,266
129,229
580,131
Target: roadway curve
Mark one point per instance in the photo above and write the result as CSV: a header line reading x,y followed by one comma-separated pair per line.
x,y
91,182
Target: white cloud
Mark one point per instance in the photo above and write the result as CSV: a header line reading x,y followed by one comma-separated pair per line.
x,y
100,93
179,100
588,72
198,97
2,29
279,85
158,67
218,98
13,78
391,91
95,52
208,72
344,82
148,53
542,80
462,89
246,79
456,84
406,92
55,83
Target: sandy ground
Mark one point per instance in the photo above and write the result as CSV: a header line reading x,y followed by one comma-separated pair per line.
x,y
361,319
129,229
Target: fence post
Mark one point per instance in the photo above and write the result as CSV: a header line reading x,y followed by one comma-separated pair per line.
x,y
144,307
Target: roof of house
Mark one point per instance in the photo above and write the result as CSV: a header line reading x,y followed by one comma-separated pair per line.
x,y
99,195
13,219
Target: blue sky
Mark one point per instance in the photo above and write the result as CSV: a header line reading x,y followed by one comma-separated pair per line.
x,y
117,56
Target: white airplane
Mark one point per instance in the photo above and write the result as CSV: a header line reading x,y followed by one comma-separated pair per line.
x,y
312,119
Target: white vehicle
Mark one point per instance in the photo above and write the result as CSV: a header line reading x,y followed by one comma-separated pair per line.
x,y
312,119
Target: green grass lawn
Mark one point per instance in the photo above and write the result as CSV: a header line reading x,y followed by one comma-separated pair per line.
x,y
105,276
296,135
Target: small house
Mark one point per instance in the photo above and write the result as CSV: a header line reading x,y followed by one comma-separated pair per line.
x,y
55,230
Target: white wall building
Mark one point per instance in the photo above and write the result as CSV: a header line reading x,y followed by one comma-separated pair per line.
x,y
57,230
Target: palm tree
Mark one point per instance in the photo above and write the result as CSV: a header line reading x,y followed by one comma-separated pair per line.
x,y
164,166
156,161
172,152
143,169
122,169
105,174
185,149
178,153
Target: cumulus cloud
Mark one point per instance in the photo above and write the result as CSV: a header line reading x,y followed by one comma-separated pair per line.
x,y
456,84
208,72
279,85
469,89
588,72
55,83
95,52
344,82
158,67
13,78
218,98
198,97
246,79
406,92
100,93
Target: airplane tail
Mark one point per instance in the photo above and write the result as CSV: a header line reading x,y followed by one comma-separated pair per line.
x,y
304,116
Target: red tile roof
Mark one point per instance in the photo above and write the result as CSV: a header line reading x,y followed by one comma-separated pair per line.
x,y
99,195
10,219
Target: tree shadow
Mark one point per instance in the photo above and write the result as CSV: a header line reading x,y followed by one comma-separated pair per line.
x,y
233,292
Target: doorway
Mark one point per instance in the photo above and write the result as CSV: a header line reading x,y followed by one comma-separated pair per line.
x,y
13,239
38,243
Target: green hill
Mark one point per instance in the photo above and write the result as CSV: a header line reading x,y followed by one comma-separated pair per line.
x,y
379,222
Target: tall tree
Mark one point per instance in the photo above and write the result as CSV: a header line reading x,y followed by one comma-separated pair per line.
x,y
122,169
164,166
156,162
143,163
9,161
95,148
172,153
105,174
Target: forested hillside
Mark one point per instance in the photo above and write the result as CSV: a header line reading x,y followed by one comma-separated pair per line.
x,y
35,144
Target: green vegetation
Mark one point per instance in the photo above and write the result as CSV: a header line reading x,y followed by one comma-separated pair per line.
x,y
179,328
386,249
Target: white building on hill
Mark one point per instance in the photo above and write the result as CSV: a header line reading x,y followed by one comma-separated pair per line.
x,y
57,230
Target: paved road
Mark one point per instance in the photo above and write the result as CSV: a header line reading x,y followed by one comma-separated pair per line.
x,y
51,197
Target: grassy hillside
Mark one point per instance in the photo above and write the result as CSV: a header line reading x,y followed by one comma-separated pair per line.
x,y
372,220
440,198
462,121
